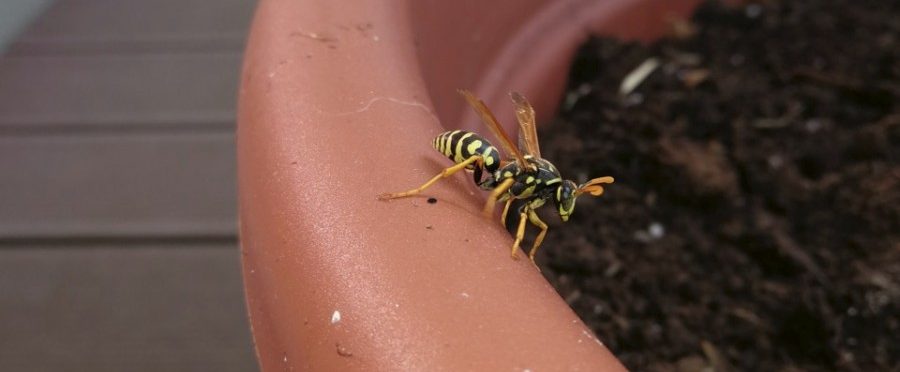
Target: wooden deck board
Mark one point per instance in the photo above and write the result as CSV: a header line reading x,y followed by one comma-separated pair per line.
x,y
111,185
117,195
118,90
173,308
97,26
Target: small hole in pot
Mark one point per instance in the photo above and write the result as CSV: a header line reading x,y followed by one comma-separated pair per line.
x,y
432,200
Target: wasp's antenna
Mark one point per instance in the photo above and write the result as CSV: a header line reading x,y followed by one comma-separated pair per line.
x,y
593,186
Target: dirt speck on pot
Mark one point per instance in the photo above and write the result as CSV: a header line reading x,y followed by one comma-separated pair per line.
x,y
343,351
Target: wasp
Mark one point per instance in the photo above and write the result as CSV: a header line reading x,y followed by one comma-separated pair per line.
x,y
524,176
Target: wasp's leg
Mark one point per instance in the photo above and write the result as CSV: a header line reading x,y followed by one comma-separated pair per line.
x,y
533,217
479,168
520,233
505,211
495,194
444,174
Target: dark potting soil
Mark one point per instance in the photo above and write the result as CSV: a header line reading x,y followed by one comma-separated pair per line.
x,y
754,224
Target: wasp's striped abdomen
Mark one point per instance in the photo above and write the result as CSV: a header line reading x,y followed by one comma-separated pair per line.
x,y
459,145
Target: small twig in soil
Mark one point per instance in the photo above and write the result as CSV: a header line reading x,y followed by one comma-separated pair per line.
x,y
637,76
750,317
693,77
828,79
718,362
681,28
794,112
789,247
572,297
573,97
889,121
849,84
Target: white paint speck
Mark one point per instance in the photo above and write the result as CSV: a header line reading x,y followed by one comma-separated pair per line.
x,y
285,358
335,317
376,38
464,294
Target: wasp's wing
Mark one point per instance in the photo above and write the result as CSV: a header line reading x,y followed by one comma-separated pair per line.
x,y
528,139
491,122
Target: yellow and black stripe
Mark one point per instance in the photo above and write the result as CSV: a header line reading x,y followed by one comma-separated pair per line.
x,y
459,145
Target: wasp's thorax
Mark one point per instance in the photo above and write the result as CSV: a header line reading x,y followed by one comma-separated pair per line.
x,y
537,182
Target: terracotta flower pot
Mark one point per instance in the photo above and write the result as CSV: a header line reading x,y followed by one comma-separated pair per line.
x,y
339,102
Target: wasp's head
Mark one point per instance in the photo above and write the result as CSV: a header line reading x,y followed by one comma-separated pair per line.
x,y
568,192
565,199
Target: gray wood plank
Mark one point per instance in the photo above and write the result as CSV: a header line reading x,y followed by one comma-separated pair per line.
x,y
15,15
170,89
110,185
112,309
106,25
